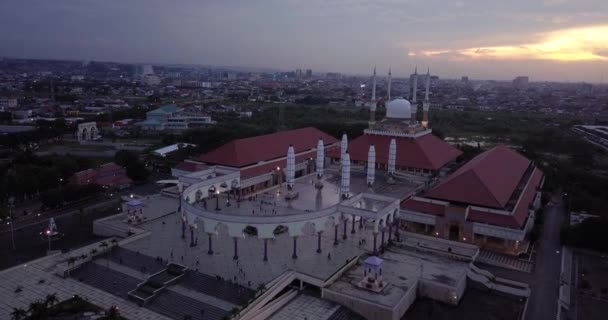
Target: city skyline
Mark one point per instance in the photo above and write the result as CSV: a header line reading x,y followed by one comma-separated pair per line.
x,y
554,40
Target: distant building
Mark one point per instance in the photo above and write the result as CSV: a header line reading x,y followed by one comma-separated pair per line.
x,y
164,151
464,79
172,117
308,73
152,80
146,70
8,103
521,82
108,175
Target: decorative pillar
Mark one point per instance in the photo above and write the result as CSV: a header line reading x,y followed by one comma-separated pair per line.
x,y
210,245
353,228
382,240
344,237
265,249
336,235
375,248
360,222
319,242
294,255
390,232
236,248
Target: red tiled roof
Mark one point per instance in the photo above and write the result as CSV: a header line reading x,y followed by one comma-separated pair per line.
x,y
189,166
426,152
113,181
519,215
108,167
242,152
423,207
257,170
487,180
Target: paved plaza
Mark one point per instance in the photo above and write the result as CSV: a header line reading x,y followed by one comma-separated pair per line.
x,y
250,269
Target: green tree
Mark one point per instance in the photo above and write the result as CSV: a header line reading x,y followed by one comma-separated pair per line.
x,y
125,157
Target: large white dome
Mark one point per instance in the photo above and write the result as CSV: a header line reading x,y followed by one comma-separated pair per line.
x,y
399,109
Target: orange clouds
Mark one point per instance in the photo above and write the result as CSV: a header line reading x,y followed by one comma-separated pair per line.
x,y
576,44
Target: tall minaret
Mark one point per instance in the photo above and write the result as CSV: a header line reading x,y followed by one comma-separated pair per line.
x,y
426,103
320,163
414,103
345,185
389,84
343,145
415,86
372,104
291,167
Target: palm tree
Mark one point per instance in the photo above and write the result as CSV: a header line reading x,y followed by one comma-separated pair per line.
x,y
51,300
113,313
38,310
18,314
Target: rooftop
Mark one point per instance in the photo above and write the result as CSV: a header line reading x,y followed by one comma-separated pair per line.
x,y
247,151
487,180
401,269
425,152
310,199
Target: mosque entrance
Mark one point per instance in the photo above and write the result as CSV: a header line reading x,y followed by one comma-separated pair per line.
x,y
454,232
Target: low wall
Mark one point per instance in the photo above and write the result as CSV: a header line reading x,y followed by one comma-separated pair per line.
x,y
447,294
368,309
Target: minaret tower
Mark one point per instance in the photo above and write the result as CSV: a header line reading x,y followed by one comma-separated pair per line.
x,y
415,85
426,103
389,85
372,104
415,89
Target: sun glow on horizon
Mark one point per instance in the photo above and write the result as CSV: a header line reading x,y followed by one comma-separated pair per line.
x,y
577,44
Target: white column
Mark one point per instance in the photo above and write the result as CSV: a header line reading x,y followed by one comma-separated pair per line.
x,y
320,158
371,165
291,167
345,186
343,145
392,156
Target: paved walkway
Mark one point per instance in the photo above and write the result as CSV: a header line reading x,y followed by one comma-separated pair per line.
x,y
175,287
167,243
36,279
305,307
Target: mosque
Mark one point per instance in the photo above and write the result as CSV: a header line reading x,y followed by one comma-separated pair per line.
x,y
367,227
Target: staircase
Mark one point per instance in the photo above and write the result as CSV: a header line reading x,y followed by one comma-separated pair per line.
x,y
157,282
220,289
491,282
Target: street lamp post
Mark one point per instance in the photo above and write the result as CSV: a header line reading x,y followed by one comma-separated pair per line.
x,y
217,199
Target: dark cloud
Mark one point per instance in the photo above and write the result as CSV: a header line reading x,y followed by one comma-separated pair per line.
x,y
337,35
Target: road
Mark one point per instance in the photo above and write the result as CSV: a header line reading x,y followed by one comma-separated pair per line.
x,y
78,230
544,282
36,216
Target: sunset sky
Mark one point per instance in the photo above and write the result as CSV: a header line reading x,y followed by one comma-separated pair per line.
x,y
562,40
